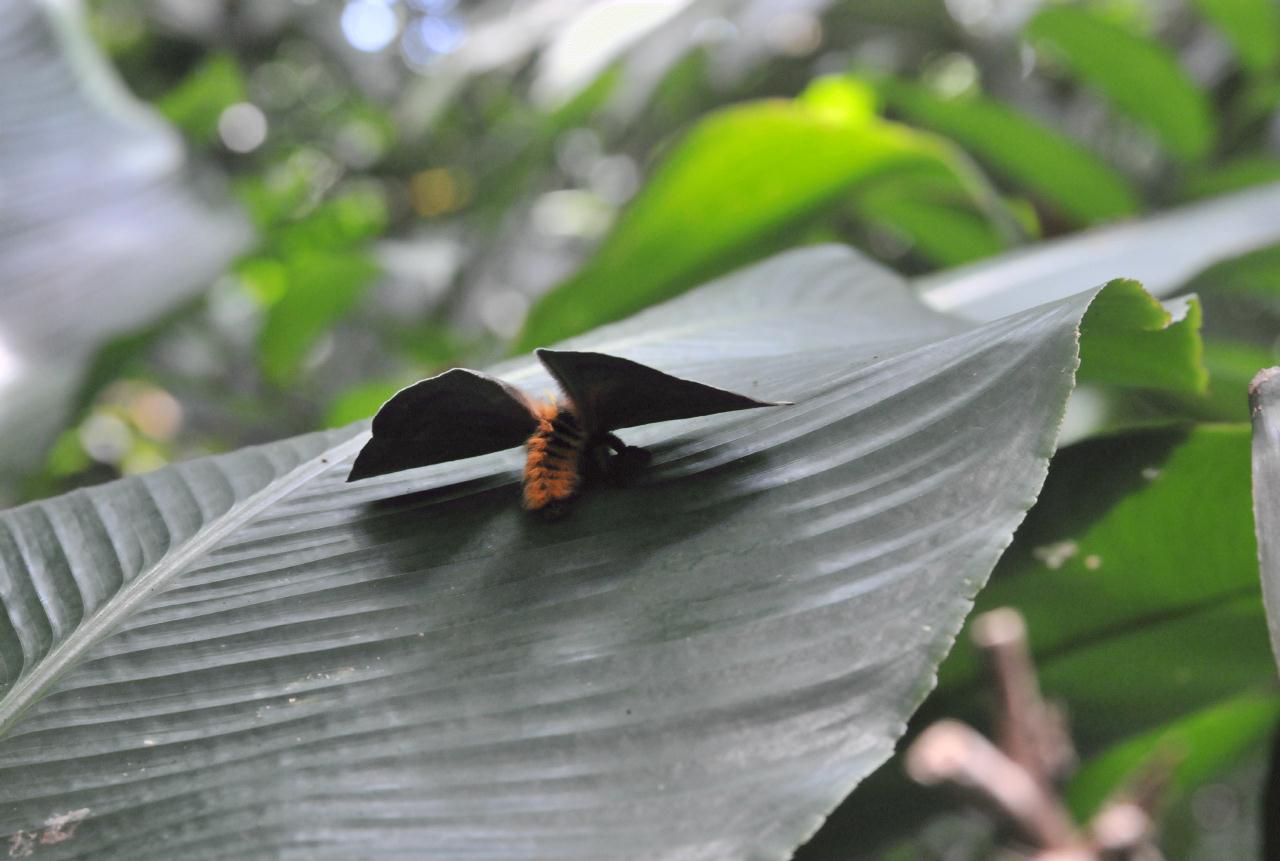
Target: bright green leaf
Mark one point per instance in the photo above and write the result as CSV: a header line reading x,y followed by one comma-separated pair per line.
x,y
323,287
348,218
196,104
1046,163
361,401
738,185
1251,26
1129,337
1139,76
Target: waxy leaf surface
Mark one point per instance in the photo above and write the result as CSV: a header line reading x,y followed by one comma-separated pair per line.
x,y
246,656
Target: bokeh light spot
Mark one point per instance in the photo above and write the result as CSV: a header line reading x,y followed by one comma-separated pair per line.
x,y
439,190
369,25
429,38
242,127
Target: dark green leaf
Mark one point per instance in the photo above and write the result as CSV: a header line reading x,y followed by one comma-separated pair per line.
x,y
1139,76
1199,746
1241,173
1122,536
246,655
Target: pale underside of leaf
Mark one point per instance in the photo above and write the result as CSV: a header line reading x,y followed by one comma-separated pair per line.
x,y
247,657
1264,402
1162,251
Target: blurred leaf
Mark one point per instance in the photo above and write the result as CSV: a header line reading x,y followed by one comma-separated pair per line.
x,y
1126,681
1251,26
275,198
1264,402
1200,747
1241,298
361,401
255,638
735,187
1240,173
1139,76
196,104
1054,167
312,273
1254,275
584,104
346,219
1129,337
100,231
933,213
322,287
945,234
1231,366
1161,251
67,456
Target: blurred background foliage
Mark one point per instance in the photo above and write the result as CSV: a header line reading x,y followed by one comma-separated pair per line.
x,y
428,183
434,183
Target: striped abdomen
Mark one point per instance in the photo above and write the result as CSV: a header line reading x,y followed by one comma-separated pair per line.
x,y
553,470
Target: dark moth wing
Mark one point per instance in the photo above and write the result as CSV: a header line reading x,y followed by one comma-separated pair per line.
x,y
456,414
611,393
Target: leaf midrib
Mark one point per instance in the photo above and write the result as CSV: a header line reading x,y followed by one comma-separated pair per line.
x,y
27,689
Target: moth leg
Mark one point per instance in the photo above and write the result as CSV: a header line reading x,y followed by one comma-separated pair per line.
x,y
627,460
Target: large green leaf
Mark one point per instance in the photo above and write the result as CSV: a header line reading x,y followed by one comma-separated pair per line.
x,y
100,229
734,188
1052,166
247,656
1140,547
1264,399
1078,547
1139,76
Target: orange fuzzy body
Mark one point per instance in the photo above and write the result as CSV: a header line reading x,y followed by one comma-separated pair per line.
x,y
553,468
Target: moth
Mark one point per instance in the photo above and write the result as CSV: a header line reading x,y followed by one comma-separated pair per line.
x,y
568,441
